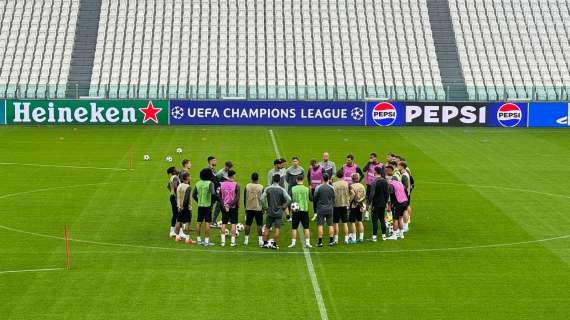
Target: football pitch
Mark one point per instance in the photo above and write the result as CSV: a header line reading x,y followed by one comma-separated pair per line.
x,y
489,238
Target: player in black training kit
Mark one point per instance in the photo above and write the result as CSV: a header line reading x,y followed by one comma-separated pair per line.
x,y
172,186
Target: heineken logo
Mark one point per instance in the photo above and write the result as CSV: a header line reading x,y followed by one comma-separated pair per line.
x,y
87,112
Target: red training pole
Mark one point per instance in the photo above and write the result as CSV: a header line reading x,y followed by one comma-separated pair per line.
x,y
67,263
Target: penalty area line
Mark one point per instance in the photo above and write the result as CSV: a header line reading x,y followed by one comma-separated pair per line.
x,y
306,252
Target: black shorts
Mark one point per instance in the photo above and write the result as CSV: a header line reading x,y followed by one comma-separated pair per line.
x,y
184,216
250,215
173,205
204,214
340,214
230,216
325,217
399,209
300,217
272,221
355,215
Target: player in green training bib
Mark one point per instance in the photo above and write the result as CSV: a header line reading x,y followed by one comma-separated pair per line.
x,y
300,207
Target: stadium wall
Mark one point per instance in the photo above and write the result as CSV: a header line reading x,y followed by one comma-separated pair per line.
x,y
286,113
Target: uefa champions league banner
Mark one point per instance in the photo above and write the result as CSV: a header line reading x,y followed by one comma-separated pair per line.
x,y
88,112
549,114
241,112
453,114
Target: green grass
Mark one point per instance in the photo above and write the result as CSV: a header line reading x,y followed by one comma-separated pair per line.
x,y
483,198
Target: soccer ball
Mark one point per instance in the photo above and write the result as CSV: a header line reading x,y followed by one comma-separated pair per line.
x,y
146,157
168,159
357,114
177,113
295,207
239,227
227,233
179,150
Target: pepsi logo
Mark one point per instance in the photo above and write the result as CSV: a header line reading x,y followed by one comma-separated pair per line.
x,y
384,114
509,115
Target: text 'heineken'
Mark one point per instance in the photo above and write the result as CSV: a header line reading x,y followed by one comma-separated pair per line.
x,y
85,112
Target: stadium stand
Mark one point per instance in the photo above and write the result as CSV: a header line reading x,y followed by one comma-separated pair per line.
x,y
286,49
326,49
513,48
36,41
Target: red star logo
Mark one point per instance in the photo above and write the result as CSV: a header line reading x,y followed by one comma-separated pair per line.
x,y
150,113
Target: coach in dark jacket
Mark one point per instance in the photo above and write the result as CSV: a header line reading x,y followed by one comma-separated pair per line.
x,y
378,199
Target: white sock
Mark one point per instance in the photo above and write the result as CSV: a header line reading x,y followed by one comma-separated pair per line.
x,y
246,238
307,241
293,241
172,229
345,238
207,240
223,238
199,239
260,239
362,236
405,226
374,237
233,239
336,238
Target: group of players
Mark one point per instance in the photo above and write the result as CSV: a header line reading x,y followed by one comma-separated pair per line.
x,y
338,197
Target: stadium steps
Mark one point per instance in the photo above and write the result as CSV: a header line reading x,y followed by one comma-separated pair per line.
x,y
446,49
83,53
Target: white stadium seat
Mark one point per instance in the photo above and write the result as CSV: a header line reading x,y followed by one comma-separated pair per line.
x,y
267,49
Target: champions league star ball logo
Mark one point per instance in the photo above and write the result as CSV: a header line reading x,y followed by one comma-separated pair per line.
x,y
357,114
384,114
177,113
509,115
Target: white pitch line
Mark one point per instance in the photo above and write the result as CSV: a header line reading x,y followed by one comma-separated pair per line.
x,y
306,253
30,270
59,166
390,251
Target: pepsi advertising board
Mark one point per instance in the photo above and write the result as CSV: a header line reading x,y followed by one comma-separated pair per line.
x,y
508,115
455,114
385,114
238,112
426,114
548,114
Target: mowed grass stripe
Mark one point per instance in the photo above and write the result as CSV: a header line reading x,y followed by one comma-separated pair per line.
x,y
435,219
542,176
240,270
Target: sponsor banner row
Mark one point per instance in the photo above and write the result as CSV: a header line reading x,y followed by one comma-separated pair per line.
x,y
296,113
491,114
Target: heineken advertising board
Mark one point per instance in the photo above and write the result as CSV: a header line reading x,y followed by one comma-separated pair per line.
x,y
151,112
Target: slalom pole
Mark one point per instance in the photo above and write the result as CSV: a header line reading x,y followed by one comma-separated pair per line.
x,y
67,261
